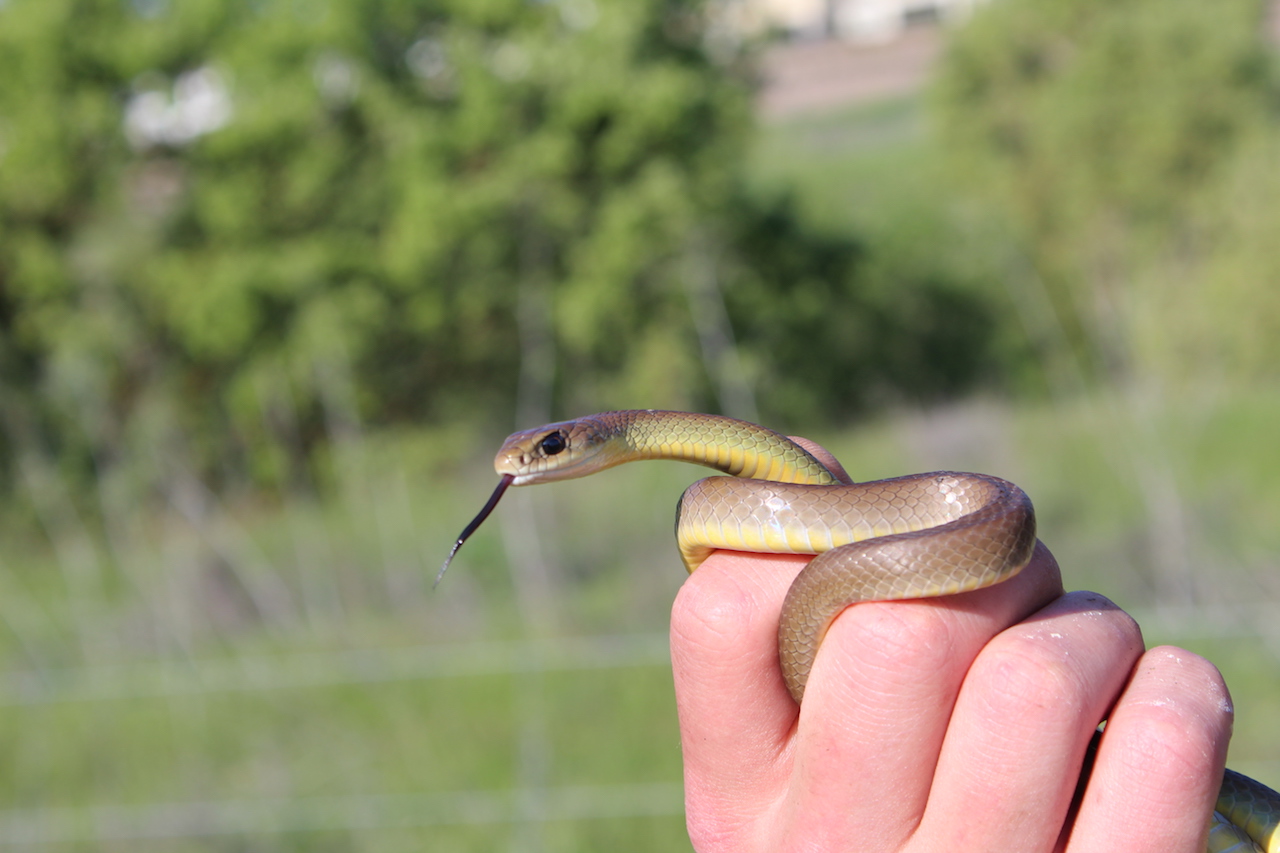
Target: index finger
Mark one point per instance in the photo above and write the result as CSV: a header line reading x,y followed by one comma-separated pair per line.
x,y
736,716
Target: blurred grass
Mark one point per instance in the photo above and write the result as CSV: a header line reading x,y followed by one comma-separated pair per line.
x,y
376,721
247,675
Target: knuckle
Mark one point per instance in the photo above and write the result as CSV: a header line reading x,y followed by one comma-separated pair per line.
x,y
1162,742
899,636
1177,712
713,612
1027,680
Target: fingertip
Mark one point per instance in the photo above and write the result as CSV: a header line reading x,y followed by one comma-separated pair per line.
x,y
1043,566
826,457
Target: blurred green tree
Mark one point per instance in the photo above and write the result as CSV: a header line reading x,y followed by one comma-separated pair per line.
x,y
231,231
1101,131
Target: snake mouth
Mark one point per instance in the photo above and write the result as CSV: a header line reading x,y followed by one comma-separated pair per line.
x,y
525,470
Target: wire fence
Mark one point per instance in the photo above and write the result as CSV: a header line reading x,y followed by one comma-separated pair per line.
x,y
301,670
97,824
260,672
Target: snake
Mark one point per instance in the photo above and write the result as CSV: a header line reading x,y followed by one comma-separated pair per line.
x,y
918,536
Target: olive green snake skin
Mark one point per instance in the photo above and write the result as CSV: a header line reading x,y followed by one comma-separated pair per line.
x,y
919,536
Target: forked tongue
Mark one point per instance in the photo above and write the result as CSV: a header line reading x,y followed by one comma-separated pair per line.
x,y
475,522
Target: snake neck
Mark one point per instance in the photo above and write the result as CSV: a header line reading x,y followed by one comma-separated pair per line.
x,y
735,447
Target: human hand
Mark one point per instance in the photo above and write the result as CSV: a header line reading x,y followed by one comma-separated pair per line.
x,y
956,723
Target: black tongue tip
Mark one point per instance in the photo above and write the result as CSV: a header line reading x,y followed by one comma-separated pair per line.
x,y
503,483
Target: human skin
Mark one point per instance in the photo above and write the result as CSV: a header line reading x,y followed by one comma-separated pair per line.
x,y
951,724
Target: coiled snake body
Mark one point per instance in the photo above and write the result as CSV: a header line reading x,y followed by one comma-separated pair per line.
x,y
919,536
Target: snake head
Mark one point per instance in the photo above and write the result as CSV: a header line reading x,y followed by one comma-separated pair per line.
x,y
559,451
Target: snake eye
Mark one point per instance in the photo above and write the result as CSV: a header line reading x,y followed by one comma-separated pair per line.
x,y
553,443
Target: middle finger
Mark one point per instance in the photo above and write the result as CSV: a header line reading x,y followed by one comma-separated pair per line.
x,y
878,702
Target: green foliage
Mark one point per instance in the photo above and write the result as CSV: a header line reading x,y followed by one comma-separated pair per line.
x,y
926,313
1100,131
232,231
390,179
1211,309
860,333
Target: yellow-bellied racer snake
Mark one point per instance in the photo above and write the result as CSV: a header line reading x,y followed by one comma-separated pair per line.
x,y
919,536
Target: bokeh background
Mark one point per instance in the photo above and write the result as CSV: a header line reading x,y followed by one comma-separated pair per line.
x,y
277,276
